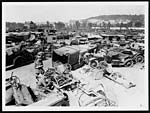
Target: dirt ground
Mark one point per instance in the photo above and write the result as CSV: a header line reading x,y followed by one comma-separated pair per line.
x,y
126,98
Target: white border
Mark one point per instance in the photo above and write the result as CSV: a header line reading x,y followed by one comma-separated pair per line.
x,y
75,3
6,108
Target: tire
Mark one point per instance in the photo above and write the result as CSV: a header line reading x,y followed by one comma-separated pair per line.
x,y
128,63
68,67
94,63
19,61
139,59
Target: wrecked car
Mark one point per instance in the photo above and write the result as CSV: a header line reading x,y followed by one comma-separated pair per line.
x,y
17,57
58,77
125,57
68,54
21,95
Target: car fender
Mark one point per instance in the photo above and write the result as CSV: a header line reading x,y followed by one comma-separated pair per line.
x,y
128,59
18,57
136,55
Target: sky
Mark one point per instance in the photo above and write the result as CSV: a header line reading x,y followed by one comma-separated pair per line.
x,y
56,11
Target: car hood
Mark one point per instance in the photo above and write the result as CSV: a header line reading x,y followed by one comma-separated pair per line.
x,y
121,55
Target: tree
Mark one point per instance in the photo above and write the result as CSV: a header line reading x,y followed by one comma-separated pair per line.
x,y
51,26
109,25
19,26
59,25
32,25
138,24
104,24
121,25
47,24
13,26
89,25
130,24
84,24
25,28
77,23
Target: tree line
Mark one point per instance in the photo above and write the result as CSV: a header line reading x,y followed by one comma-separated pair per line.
x,y
13,26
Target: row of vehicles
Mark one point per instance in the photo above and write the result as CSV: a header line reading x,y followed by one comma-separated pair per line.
x,y
125,58
117,56
22,48
19,45
16,56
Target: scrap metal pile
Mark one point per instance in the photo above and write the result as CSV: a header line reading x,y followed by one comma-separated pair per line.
x,y
77,72
55,84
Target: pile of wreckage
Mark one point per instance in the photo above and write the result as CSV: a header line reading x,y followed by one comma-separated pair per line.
x,y
54,86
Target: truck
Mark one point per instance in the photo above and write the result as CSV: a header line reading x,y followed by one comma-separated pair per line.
x,y
72,55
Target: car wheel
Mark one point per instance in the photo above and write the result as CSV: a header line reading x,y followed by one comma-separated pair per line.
x,y
129,63
139,59
19,61
93,63
68,66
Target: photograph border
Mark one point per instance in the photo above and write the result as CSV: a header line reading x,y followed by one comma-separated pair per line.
x,y
73,108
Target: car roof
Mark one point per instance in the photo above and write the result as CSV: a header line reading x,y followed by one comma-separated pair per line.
x,y
67,49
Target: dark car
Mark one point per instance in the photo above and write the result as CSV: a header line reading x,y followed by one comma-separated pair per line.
x,y
68,54
17,57
140,49
124,57
17,37
121,59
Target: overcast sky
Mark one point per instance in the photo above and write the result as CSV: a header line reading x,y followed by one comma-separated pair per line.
x,y
41,12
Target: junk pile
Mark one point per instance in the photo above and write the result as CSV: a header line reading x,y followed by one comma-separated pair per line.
x,y
52,90
21,95
103,69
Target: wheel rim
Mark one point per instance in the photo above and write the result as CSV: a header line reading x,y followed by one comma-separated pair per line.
x,y
93,64
129,64
140,59
68,68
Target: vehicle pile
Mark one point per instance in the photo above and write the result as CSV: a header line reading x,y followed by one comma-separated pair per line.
x,y
77,71
54,85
